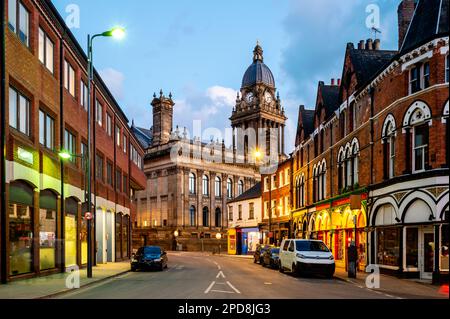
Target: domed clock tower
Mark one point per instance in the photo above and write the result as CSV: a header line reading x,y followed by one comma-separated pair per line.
x,y
259,107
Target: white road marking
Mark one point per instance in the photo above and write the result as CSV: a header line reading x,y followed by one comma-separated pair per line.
x,y
218,266
223,291
220,274
267,283
209,288
232,287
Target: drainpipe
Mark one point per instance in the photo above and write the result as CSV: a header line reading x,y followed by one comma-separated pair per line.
x,y
4,255
371,243
61,141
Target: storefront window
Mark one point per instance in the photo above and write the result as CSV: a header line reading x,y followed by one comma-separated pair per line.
x,y
70,225
47,230
339,245
444,247
412,247
20,229
388,240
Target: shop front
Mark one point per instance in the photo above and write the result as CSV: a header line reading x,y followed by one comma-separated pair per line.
x,y
250,240
299,223
411,243
338,226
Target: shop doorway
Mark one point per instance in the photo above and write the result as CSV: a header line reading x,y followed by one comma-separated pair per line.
x,y
427,255
109,237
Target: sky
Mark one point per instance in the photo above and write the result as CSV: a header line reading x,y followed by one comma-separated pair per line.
x,y
200,49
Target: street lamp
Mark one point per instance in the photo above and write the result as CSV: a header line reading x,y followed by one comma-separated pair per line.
x,y
118,33
219,237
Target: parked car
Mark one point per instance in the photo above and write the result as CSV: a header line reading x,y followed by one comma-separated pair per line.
x,y
306,256
149,257
271,257
260,249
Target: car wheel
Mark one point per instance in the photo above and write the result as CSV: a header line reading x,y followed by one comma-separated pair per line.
x,y
294,270
281,269
133,269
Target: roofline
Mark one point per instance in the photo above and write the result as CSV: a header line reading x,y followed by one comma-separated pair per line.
x,y
409,27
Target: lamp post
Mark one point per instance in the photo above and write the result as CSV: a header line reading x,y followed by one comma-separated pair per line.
x,y
117,33
219,237
175,235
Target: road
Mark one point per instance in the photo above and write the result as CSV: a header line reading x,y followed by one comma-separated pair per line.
x,y
197,276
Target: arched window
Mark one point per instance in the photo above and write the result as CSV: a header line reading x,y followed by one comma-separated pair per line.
x,y
218,217
315,186
192,218
302,191
348,167
389,134
205,185
192,184
323,177
341,170
355,163
218,186
417,121
240,187
205,217
230,188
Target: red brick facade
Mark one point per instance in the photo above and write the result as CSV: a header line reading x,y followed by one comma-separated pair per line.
x,y
45,91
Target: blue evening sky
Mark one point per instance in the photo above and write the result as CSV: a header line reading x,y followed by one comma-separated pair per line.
x,y
200,49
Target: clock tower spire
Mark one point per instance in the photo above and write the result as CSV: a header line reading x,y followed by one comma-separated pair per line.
x,y
259,110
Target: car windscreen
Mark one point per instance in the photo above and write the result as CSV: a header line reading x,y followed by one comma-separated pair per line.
x,y
152,251
276,251
311,246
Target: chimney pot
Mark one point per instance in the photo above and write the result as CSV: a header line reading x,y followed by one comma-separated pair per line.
x,y
377,44
361,45
339,82
332,81
369,44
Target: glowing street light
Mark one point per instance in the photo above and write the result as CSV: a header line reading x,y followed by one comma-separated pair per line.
x,y
116,32
65,155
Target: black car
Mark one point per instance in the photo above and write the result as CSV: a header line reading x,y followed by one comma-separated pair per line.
x,y
271,258
149,257
257,256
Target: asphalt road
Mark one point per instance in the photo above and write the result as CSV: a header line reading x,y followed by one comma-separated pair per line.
x,y
197,276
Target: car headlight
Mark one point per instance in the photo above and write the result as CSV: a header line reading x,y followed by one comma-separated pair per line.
x,y
331,257
301,256
157,260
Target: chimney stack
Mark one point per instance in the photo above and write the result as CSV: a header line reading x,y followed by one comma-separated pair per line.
x,y
361,45
369,44
332,81
405,15
377,44
339,82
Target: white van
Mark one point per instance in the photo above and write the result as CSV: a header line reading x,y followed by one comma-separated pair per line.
x,y
302,256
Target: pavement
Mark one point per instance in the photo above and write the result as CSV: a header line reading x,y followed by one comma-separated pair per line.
x,y
192,276
53,285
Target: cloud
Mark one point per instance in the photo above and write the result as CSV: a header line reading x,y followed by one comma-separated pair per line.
x,y
114,81
212,107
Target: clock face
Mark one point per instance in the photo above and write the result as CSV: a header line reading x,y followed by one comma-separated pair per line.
x,y
249,98
268,97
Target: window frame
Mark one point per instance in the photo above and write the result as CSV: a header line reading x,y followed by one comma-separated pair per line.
x,y
68,82
17,28
424,148
46,39
205,185
218,187
18,112
70,144
45,142
192,184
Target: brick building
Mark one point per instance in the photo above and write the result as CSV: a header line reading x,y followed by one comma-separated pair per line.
x,y
276,204
372,157
46,102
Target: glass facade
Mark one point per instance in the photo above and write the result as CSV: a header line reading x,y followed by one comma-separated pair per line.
x,y
20,229
47,230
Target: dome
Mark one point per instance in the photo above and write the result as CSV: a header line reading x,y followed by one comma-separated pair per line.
x,y
258,72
